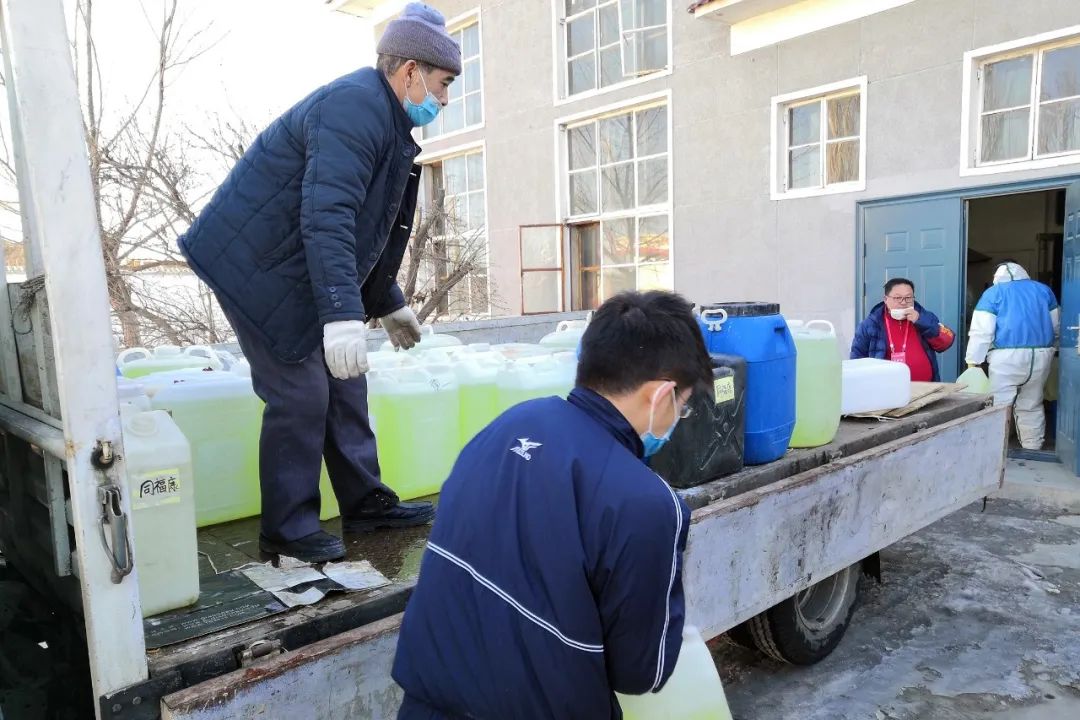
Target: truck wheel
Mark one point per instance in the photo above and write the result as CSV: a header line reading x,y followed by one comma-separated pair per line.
x,y
804,629
742,636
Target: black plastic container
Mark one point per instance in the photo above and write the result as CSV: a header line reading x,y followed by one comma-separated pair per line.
x,y
709,444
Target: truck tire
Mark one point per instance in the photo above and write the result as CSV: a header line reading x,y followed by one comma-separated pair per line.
x,y
807,627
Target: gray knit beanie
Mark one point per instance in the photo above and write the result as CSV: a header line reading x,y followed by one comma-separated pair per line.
x,y
419,33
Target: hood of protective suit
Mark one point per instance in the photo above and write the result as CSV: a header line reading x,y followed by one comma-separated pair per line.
x,y
1009,272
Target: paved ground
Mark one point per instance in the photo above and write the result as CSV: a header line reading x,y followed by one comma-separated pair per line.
x,y
978,619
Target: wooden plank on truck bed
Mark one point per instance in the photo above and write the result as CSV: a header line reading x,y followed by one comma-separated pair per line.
x,y
747,552
922,394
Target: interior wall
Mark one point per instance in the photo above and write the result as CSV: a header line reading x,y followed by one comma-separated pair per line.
x,y
1009,226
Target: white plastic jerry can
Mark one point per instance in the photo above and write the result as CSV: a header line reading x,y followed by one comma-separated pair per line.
x,y
162,491
693,692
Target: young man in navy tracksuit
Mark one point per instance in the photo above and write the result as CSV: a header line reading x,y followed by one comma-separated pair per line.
x,y
553,576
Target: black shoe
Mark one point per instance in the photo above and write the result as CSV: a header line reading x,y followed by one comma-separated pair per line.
x,y
380,510
314,548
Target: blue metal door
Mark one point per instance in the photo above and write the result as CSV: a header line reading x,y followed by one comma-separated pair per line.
x,y
921,240
1068,420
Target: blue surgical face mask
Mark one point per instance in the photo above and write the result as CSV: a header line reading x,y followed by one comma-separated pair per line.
x,y
426,111
649,440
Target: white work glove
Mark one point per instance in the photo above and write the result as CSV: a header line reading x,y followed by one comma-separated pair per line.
x,y
345,348
402,328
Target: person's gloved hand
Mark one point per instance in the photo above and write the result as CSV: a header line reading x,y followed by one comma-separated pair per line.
x,y
402,328
345,348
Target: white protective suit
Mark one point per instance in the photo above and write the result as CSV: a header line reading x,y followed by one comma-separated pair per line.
x,y
1015,327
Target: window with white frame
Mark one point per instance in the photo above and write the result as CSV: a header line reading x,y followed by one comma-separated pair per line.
x,y
608,42
465,108
820,136
619,205
457,250
1029,105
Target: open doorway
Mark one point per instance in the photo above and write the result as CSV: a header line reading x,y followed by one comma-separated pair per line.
x,y
1027,228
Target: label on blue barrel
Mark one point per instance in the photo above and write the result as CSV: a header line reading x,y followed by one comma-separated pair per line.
x,y
159,487
724,389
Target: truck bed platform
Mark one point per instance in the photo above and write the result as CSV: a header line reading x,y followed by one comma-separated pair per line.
x,y
397,553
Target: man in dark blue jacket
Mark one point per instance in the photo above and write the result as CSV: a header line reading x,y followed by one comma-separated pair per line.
x,y
553,575
900,329
301,245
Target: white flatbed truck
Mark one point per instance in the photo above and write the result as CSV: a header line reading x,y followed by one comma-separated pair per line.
x,y
774,557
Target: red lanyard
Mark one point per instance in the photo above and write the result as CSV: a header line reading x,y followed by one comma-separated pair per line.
x,y
888,333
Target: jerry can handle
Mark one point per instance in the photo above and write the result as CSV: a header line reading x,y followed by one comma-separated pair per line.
x,y
130,354
825,323
714,325
205,351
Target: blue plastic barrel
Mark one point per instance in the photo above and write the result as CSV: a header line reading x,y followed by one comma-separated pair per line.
x,y
758,332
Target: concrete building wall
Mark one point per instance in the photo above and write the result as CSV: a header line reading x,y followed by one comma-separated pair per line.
x,y
730,240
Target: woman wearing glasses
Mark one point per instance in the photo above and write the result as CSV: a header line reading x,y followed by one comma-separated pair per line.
x,y
902,330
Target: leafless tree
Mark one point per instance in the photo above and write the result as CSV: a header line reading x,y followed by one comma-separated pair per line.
x,y
444,274
147,185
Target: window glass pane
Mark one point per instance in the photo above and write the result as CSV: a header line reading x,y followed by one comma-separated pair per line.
x,y
476,210
575,6
651,12
479,299
645,51
618,241
457,211
653,245
1061,73
652,131
617,280
580,35
615,142
805,167
470,41
454,92
1005,136
1059,127
540,292
583,193
843,116
617,187
842,162
474,113
434,127
582,146
643,13
470,78
655,49
655,276
611,69
609,25
1007,83
652,181
540,247
454,175
453,116
476,170
805,124
582,74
